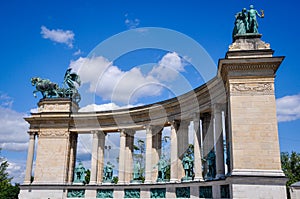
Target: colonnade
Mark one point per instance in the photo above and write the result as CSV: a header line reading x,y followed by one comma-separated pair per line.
x,y
207,134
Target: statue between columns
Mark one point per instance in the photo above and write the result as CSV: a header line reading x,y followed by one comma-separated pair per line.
x,y
211,165
79,174
162,167
137,175
188,166
108,173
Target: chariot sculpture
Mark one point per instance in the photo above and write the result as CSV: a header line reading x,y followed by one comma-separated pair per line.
x,y
50,89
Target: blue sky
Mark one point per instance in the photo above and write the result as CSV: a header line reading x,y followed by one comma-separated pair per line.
x,y
44,38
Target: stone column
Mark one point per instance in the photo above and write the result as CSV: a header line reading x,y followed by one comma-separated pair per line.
x,y
30,155
128,155
197,152
101,145
73,150
183,144
207,136
207,129
156,150
94,160
219,148
122,157
174,152
149,145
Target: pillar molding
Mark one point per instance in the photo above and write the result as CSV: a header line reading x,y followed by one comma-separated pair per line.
x,y
218,140
197,151
30,156
94,160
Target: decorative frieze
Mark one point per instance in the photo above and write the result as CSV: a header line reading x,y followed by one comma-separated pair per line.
x,y
54,133
265,88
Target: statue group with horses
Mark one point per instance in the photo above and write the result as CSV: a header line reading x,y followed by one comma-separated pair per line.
x,y
50,89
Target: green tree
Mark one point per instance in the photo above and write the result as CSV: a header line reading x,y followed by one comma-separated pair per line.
x,y
290,164
7,190
87,177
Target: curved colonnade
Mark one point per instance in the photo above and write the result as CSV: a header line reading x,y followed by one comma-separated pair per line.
x,y
235,111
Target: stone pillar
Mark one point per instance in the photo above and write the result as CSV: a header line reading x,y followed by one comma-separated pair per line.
x,y
207,136
183,144
153,150
94,160
156,150
30,155
149,145
174,152
122,157
207,129
128,155
72,157
218,140
100,158
197,152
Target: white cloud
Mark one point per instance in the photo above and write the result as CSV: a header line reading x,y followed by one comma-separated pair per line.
x,y
104,107
13,130
17,171
78,52
5,100
126,87
169,67
58,35
288,108
131,23
111,83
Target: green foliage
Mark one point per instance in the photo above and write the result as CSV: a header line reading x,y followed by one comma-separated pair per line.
x,y
7,190
115,179
290,164
87,177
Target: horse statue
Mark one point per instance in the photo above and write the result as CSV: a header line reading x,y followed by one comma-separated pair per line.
x,y
45,86
50,89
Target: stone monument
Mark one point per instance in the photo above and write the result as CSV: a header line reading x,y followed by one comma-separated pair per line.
x,y
238,104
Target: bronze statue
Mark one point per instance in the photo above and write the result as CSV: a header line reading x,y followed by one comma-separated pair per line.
x,y
246,21
49,89
45,86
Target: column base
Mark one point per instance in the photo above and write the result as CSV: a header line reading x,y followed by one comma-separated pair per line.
x,y
174,180
220,176
147,182
198,179
26,182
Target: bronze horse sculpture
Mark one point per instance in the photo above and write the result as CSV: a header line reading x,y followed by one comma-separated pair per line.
x,y
45,86
49,89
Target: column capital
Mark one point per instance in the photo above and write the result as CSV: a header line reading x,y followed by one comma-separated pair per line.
x,y
98,134
129,132
174,124
195,116
32,134
153,129
218,107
